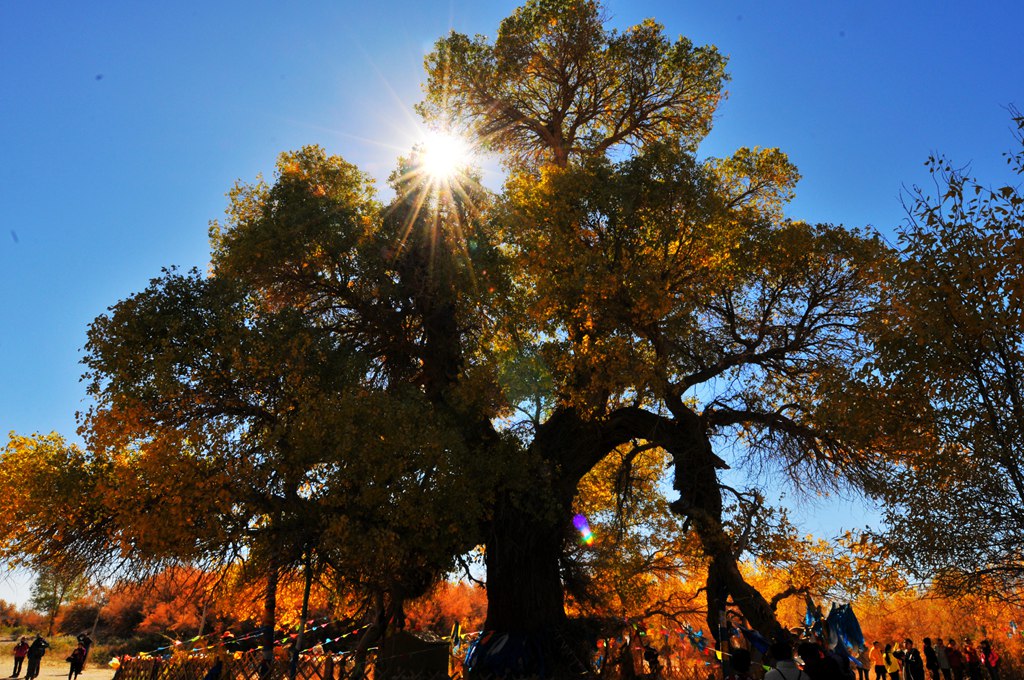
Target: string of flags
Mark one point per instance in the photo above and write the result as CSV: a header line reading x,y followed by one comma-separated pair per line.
x,y
229,638
457,637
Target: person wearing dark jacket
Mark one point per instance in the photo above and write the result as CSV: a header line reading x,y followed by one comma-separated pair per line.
x,y
76,661
36,650
85,641
913,667
817,664
931,659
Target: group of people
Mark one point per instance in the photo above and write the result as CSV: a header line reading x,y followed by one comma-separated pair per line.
x,y
954,663
35,651
811,661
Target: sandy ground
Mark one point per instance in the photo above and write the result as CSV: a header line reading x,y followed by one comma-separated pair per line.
x,y
56,669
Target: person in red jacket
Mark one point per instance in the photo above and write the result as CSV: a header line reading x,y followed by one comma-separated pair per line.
x,y
990,660
20,651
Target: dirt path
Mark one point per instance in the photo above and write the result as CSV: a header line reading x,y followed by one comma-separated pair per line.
x,y
57,670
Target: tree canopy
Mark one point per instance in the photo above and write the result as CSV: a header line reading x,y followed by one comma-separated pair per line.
x,y
556,83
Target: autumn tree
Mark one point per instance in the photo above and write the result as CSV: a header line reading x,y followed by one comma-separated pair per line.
x,y
669,302
955,335
446,604
637,557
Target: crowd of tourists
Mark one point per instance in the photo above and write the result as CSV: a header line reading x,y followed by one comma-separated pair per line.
x,y
904,661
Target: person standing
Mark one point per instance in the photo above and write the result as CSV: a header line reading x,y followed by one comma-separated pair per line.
x,y
956,660
85,641
740,665
864,664
627,662
785,666
20,650
913,667
821,665
940,654
36,650
877,660
76,661
990,660
931,659
892,663
971,660
651,660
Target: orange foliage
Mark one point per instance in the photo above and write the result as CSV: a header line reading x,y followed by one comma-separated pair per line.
x,y
448,603
167,604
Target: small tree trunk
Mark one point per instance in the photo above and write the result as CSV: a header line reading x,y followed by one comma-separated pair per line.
x,y
269,620
59,590
96,620
307,572
202,619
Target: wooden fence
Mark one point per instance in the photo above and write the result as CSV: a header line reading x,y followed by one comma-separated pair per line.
x,y
250,666
247,666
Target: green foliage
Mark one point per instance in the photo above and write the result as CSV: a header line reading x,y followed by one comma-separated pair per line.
x,y
50,590
288,393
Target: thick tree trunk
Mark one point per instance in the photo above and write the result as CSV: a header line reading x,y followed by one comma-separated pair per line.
x,y
524,584
527,633
751,603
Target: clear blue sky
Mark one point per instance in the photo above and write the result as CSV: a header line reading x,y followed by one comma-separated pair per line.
x,y
123,124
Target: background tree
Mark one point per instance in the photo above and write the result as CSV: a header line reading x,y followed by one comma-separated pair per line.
x,y
640,561
956,505
51,590
556,83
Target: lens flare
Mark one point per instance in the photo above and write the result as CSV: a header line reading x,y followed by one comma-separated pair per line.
x,y
581,524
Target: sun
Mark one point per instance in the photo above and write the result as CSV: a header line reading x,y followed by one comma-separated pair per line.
x,y
444,155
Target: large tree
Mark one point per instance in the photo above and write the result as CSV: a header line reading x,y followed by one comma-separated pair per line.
x,y
667,299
